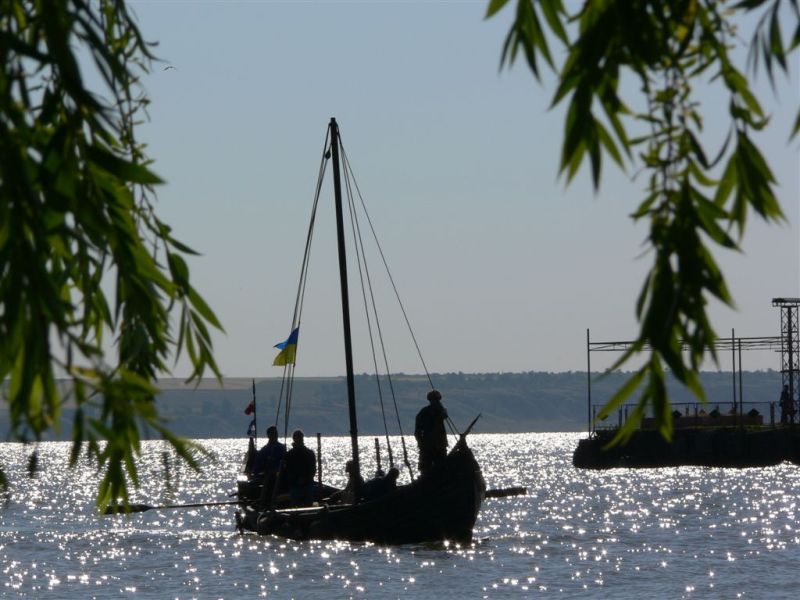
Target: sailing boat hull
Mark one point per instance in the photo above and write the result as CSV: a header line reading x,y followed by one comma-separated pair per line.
x,y
441,506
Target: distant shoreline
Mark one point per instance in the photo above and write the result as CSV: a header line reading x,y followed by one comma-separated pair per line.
x,y
508,402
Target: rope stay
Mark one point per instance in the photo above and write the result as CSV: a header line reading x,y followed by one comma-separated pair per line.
x,y
353,185
368,297
389,273
453,429
363,269
287,379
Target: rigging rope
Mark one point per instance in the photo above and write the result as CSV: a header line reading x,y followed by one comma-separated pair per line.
x,y
280,398
287,381
389,274
361,259
351,176
453,429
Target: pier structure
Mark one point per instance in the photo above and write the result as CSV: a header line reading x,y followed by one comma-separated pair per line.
x,y
733,345
790,350
721,438
787,344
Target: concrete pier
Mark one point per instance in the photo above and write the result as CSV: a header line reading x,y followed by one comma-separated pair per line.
x,y
713,447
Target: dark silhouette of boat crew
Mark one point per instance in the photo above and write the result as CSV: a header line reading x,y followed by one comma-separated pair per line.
x,y
380,486
267,466
430,433
300,466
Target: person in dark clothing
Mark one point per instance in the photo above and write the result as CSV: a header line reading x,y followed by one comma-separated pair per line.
x,y
300,468
380,486
430,433
267,465
354,485
268,459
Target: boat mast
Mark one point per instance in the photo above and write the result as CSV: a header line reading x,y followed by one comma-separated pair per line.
x,y
348,346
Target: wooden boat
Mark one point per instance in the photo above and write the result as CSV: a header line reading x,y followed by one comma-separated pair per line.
x,y
440,506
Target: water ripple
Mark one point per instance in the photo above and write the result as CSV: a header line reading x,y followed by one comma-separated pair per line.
x,y
676,532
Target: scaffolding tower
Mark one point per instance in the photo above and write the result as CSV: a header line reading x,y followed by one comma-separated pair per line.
x,y
790,348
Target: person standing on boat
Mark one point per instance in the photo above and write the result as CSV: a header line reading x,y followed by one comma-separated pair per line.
x,y
267,465
430,433
300,467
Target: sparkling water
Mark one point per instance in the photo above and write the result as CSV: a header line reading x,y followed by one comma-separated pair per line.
x,y
670,533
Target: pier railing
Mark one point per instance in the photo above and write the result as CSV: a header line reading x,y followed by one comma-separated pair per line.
x,y
738,411
696,414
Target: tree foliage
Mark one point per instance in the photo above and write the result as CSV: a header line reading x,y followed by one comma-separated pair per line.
x,y
77,219
695,199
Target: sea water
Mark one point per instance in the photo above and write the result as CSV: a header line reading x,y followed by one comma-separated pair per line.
x,y
622,533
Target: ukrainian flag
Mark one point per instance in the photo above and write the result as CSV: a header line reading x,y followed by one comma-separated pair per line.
x,y
288,350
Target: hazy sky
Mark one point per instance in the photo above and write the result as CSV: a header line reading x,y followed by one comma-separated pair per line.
x,y
501,266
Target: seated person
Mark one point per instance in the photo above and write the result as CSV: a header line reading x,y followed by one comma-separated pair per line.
x,y
380,486
267,466
269,458
300,467
354,483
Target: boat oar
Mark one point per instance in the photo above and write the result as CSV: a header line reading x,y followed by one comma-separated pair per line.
x,y
137,508
504,492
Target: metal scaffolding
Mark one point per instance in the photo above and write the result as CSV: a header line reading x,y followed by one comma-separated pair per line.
x,y
790,350
788,344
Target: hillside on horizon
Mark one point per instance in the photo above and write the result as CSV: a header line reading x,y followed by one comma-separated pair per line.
x,y
508,402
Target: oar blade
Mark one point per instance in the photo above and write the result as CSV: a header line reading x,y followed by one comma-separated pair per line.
x,y
117,509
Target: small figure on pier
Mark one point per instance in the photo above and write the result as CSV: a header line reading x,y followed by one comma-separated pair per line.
x,y
787,406
430,433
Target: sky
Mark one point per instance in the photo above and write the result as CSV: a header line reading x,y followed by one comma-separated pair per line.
x,y
501,266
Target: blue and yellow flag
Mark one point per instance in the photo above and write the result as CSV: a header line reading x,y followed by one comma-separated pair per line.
x,y
288,350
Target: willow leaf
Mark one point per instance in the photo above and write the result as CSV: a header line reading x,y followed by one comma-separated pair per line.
x,y
553,11
494,7
120,168
628,388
